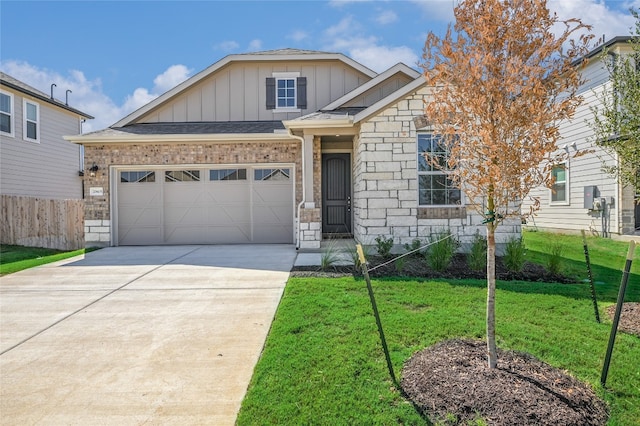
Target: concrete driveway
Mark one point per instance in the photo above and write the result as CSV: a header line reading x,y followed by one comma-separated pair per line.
x,y
137,335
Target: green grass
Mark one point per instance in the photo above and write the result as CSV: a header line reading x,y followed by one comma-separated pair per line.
x,y
17,258
323,363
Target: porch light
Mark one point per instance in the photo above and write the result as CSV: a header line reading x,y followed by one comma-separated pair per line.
x,y
94,168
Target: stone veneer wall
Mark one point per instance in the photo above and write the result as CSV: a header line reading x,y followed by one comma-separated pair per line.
x,y
386,185
97,208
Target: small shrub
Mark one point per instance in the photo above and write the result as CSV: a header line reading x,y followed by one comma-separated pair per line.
x,y
555,260
400,263
477,257
384,246
414,247
440,253
329,257
514,254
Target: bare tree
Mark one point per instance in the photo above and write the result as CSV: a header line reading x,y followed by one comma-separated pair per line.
x,y
500,89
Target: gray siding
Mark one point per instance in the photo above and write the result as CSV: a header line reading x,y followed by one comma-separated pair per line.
x,y
237,92
48,169
380,91
584,171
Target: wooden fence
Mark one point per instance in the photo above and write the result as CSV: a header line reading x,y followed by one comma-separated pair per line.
x,y
39,222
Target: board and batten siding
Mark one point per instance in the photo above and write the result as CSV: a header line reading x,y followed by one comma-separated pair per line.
x,y
237,92
379,91
585,170
48,168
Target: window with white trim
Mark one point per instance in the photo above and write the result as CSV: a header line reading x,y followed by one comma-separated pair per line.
x,y
560,186
435,188
6,113
285,92
31,127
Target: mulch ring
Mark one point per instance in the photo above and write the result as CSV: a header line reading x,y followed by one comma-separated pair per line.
x,y
629,317
450,381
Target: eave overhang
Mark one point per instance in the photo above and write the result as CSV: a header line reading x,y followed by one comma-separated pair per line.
x,y
177,138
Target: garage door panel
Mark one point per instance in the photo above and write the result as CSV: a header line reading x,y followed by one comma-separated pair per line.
x,y
231,211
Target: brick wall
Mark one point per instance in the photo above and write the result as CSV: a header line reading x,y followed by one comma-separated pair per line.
x,y
97,208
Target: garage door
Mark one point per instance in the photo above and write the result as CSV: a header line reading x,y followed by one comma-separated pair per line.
x,y
205,206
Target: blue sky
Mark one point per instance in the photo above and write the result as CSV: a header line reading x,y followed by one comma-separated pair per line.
x,y
118,55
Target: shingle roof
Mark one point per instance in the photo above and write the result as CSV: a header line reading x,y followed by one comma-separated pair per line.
x,y
208,127
14,83
288,51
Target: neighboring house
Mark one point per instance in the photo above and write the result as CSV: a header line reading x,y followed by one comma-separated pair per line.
x,y
583,196
285,146
35,160
41,185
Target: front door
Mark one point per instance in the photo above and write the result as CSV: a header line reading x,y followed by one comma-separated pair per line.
x,y
336,194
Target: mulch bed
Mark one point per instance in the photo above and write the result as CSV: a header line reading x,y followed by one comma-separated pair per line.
x,y
416,267
629,317
450,381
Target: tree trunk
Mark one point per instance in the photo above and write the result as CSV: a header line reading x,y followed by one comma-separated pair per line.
x,y
491,295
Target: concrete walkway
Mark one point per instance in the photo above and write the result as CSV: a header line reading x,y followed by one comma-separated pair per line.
x,y
137,335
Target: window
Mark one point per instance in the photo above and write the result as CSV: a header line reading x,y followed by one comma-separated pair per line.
x,y
137,176
6,113
182,176
271,174
228,174
286,91
31,121
434,187
559,188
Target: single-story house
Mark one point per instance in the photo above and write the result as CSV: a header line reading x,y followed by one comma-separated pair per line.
x,y
583,196
284,146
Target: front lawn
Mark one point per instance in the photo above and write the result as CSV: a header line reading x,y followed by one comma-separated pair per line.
x,y
17,258
323,363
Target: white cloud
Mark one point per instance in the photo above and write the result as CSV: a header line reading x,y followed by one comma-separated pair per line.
x,y
169,79
87,95
346,36
255,44
226,45
604,20
298,35
386,17
437,10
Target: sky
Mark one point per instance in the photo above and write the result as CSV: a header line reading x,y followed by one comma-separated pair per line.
x,y
116,56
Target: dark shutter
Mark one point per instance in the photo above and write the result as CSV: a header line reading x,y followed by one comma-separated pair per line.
x,y
301,84
271,93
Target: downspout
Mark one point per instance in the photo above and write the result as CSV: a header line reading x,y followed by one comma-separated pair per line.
x,y
301,139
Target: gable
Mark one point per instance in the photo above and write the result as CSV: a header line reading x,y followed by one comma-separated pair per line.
x,y
235,89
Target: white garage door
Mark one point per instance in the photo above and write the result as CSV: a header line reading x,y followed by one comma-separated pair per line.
x,y
205,206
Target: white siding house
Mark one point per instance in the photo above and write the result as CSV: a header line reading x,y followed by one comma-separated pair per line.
x,y
568,206
35,160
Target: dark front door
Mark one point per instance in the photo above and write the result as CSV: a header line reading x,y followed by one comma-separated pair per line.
x,y
336,194
638,216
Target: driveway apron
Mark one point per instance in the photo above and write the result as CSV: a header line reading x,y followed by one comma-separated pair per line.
x,y
137,335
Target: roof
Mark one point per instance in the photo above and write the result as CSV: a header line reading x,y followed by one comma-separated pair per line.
x,y
206,127
269,55
15,84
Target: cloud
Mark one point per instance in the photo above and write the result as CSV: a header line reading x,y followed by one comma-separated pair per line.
x,y
88,95
437,10
226,46
298,35
386,17
347,36
169,79
604,20
255,44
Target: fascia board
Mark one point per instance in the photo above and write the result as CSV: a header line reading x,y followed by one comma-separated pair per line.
x,y
217,137
380,78
392,98
238,58
305,124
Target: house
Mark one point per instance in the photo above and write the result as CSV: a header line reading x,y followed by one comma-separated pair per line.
x,y
40,172
583,196
283,146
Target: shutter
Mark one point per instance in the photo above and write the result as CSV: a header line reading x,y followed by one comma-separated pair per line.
x,y
301,87
271,93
